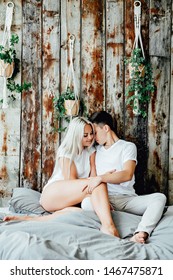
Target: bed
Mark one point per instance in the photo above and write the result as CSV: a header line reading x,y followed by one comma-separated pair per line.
x,y
76,235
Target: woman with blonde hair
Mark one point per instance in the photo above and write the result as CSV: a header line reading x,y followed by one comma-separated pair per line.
x,y
74,178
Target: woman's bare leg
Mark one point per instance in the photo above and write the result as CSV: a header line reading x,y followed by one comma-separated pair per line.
x,y
62,194
101,205
42,218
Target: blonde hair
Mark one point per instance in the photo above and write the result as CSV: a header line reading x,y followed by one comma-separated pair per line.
x,y
72,142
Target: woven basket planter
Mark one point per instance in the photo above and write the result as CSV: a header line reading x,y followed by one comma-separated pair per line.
x,y
6,69
141,69
71,107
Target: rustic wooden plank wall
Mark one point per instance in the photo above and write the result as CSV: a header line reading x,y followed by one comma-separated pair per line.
x,y
170,176
135,127
10,118
50,82
158,126
104,32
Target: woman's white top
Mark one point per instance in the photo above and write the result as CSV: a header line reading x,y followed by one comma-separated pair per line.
x,y
82,163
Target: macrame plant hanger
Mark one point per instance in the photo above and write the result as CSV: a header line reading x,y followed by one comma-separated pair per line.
x,y
6,69
72,106
138,40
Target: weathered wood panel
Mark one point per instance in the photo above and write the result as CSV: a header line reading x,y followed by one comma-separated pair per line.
x,y
70,25
170,178
50,83
114,62
10,117
93,63
30,173
158,126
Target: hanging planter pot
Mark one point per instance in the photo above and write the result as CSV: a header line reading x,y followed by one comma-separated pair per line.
x,y
71,102
140,69
71,107
6,69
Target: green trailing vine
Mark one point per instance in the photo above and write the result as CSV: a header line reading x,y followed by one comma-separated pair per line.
x,y
8,55
141,82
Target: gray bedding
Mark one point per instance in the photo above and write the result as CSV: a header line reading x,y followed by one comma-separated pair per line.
x,y
76,236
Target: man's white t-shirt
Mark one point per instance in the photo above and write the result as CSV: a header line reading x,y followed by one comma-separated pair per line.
x,y
114,158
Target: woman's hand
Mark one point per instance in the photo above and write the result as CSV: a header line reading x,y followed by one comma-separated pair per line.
x,y
93,182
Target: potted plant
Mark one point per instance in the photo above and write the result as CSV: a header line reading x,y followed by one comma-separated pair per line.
x,y
10,66
141,83
66,106
8,57
71,103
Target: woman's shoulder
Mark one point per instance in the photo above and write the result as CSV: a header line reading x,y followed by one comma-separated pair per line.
x,y
89,151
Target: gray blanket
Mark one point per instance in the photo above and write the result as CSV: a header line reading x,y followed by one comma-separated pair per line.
x,y
76,236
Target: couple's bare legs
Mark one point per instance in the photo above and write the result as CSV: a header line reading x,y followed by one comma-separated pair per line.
x,y
59,196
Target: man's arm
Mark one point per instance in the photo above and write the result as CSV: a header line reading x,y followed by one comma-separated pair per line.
x,y
118,177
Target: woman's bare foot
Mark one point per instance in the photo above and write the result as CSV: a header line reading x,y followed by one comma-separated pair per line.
x,y
17,218
42,218
140,237
110,230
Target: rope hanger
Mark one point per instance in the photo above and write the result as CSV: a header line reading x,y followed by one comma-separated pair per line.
x,y
71,75
6,43
72,107
137,23
137,43
8,23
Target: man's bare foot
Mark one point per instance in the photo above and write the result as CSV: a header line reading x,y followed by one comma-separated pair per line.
x,y
140,237
16,218
110,231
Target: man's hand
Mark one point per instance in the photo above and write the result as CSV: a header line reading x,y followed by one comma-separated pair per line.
x,y
93,182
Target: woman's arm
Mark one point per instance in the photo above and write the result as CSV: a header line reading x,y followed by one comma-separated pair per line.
x,y
92,165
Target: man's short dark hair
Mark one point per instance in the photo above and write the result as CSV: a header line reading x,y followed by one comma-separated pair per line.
x,y
102,118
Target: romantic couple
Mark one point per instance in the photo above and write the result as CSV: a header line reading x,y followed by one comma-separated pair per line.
x,y
101,178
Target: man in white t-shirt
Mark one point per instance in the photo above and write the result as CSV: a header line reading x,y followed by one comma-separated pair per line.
x,y
118,158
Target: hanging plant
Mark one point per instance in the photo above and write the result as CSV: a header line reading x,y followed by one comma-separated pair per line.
x,y
71,102
9,63
67,104
10,67
141,85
